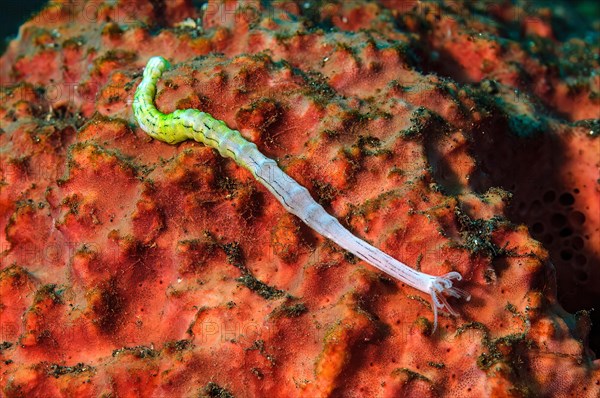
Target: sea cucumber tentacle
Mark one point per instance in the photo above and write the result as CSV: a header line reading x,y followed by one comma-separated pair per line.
x,y
202,127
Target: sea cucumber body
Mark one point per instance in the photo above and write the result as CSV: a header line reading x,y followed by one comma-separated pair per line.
x,y
202,127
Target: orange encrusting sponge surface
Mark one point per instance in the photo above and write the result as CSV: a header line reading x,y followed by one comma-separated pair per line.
x,y
130,267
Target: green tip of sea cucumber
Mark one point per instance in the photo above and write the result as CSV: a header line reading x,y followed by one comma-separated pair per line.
x,y
155,67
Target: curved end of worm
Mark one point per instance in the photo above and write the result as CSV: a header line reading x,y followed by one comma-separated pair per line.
x,y
155,67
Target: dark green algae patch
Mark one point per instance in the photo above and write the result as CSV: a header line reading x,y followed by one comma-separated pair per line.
x,y
235,258
213,390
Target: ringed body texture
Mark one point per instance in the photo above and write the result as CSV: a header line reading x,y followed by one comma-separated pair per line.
x,y
193,124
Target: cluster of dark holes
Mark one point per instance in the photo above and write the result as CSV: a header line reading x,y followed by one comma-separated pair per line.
x,y
561,229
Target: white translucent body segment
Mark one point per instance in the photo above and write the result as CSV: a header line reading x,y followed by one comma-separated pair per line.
x,y
295,198
197,120
193,121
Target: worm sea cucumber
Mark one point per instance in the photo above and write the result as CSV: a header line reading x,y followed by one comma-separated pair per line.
x,y
202,127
